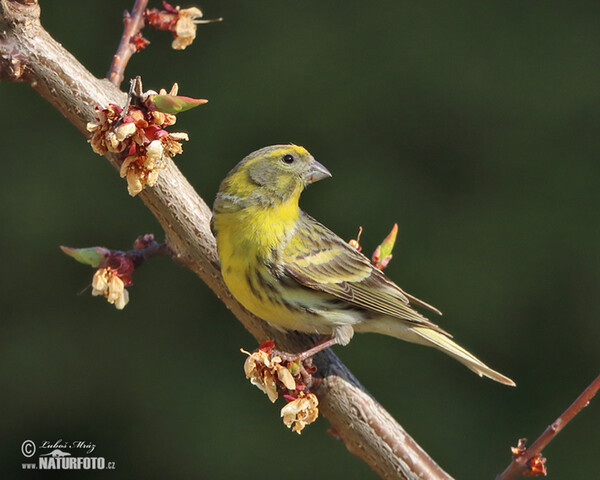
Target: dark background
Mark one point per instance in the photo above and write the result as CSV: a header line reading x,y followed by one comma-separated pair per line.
x,y
474,126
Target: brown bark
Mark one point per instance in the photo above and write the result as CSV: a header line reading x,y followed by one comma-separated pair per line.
x,y
28,53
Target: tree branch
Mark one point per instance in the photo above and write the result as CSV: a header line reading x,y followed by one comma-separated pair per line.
x,y
28,53
520,464
132,24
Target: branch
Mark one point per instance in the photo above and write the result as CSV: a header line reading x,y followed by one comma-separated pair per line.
x,y
133,23
28,53
521,463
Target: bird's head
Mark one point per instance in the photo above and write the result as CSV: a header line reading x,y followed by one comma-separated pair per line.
x,y
272,175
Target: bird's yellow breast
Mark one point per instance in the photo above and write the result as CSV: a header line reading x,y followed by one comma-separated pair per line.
x,y
254,231
246,241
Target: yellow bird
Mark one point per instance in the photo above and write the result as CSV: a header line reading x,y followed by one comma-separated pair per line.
x,y
296,274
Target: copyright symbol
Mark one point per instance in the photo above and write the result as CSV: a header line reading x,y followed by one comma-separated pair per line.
x,y
28,448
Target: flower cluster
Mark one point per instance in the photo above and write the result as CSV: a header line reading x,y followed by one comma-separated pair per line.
x,y
300,412
113,274
265,372
108,283
111,278
138,134
180,21
115,268
275,377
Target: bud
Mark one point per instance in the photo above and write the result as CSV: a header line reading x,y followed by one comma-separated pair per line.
x,y
355,243
93,256
175,104
383,253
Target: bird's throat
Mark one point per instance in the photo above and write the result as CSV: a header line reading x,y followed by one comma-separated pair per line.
x,y
255,231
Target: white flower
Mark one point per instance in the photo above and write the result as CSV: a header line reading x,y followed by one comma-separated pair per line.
x,y
154,150
300,412
107,283
185,28
125,130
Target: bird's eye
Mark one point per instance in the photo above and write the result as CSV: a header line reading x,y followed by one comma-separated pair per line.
x,y
288,159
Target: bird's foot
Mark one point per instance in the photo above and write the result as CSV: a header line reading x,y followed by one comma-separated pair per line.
x,y
311,352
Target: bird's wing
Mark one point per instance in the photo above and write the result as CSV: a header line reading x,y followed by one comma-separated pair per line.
x,y
317,258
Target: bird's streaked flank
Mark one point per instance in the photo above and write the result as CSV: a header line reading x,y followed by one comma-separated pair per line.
x,y
296,274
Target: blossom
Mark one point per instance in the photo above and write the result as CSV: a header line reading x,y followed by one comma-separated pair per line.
x,y
185,28
300,412
181,22
106,282
274,376
264,372
103,137
138,134
125,130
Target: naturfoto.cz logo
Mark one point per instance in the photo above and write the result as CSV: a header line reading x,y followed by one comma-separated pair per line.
x,y
56,456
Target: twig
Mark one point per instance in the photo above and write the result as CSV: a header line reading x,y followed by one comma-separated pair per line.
x,y
521,462
145,247
366,428
133,23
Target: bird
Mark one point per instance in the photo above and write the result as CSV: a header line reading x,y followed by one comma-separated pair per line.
x,y
296,274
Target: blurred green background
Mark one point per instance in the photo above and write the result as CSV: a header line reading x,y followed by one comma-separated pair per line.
x,y
474,126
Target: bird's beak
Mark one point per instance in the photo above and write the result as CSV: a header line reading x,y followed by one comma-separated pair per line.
x,y
316,172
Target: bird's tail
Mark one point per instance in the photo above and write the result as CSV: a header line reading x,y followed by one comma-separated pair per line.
x,y
426,336
432,338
